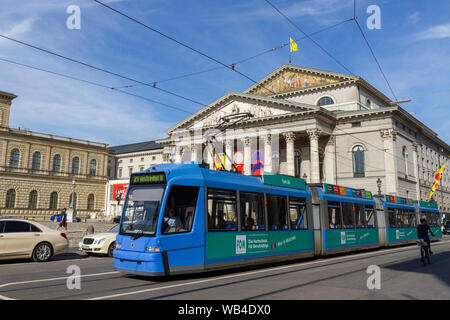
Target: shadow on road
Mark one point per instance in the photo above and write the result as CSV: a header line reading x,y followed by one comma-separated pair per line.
x,y
59,257
438,267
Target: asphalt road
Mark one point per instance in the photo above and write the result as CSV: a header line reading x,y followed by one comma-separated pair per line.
x,y
335,277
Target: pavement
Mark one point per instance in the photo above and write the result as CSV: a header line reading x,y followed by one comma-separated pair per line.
x,y
403,277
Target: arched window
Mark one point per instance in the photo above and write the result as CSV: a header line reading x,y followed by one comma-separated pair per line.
x,y
76,165
10,199
54,200
36,164
92,167
325,101
368,103
57,163
74,201
14,160
90,202
32,201
358,161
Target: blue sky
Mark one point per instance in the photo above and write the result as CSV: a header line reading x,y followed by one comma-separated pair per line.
x,y
412,47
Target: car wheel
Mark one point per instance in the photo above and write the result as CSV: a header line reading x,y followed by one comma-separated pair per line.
x,y
42,252
111,248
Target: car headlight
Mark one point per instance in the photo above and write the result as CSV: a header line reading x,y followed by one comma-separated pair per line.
x,y
101,240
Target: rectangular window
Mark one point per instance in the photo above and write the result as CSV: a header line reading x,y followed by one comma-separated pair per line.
x,y
120,173
348,215
130,171
297,213
402,218
276,210
252,211
222,210
334,215
141,168
142,159
360,216
391,216
180,209
131,160
412,221
370,216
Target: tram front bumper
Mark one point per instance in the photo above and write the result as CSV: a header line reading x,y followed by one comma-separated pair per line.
x,y
142,263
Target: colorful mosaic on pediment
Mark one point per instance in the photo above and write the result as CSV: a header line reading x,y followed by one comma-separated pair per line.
x,y
291,81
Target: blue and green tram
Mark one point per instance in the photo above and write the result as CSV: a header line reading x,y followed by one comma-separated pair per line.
x,y
430,211
183,218
347,218
400,220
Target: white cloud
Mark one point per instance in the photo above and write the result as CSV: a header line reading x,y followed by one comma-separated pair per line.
x,y
436,32
414,18
19,29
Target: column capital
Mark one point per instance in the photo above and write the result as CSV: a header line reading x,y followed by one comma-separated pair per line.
x,y
267,138
415,146
289,136
246,141
331,141
229,143
314,134
388,134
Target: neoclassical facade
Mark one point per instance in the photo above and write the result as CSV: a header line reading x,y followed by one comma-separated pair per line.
x,y
37,169
321,126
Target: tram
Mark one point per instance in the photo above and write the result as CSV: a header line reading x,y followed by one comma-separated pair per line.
x,y
185,218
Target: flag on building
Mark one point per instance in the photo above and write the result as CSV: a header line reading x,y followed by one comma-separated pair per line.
x,y
437,177
293,45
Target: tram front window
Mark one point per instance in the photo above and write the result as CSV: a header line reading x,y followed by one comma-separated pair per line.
x,y
140,216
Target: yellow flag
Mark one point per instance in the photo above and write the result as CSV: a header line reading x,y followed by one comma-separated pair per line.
x,y
437,178
293,45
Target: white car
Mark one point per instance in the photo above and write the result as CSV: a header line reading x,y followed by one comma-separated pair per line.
x,y
30,240
101,243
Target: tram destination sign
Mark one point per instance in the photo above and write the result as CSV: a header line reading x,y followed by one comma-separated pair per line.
x,y
148,178
431,205
399,200
347,192
284,181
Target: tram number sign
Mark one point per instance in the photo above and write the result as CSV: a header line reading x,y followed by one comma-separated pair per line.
x,y
148,178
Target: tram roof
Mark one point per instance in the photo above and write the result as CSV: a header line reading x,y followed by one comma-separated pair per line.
x,y
224,179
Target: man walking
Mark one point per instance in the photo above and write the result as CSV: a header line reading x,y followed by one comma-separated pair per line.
x,y
63,222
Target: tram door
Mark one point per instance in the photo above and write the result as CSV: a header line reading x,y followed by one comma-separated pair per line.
x,y
317,221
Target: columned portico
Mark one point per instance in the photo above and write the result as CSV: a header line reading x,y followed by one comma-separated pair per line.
x,y
314,153
268,153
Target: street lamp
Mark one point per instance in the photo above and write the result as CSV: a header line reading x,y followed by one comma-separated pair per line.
x,y
379,186
72,210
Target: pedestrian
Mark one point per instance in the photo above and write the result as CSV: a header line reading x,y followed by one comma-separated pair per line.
x,y
63,222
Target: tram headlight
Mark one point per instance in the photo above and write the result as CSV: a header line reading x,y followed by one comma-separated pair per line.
x,y
149,249
152,249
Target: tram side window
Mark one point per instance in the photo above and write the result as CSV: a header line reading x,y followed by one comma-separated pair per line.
x,y
276,210
334,215
222,210
297,210
370,216
412,221
348,215
252,211
180,209
391,216
360,216
402,218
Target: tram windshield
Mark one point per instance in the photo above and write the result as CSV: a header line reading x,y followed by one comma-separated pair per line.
x,y
141,210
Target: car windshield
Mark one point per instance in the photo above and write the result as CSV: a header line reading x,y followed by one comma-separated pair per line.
x,y
140,214
114,229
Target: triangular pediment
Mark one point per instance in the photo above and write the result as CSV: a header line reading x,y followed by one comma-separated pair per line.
x,y
235,103
290,78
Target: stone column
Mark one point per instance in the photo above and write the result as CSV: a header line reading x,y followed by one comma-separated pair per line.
x,y
314,153
247,155
389,137
290,159
268,153
416,169
178,154
229,146
194,153
305,164
329,162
